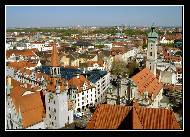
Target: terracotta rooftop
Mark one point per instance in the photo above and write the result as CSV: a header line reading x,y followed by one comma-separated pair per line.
x,y
25,52
177,36
173,58
31,105
51,86
117,50
108,117
132,117
172,87
79,82
146,81
21,64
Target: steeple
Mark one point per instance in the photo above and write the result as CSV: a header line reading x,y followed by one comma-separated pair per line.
x,y
152,50
152,34
54,68
54,57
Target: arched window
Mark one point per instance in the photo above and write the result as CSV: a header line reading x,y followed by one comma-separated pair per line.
x,y
51,71
83,107
11,123
58,71
54,71
78,109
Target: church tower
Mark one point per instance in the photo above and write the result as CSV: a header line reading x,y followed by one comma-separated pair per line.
x,y
152,50
54,68
57,110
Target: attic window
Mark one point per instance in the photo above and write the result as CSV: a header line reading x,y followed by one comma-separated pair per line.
x,y
27,93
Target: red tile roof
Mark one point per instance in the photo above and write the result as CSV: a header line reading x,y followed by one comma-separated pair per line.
x,y
21,64
31,105
51,86
172,87
78,83
158,118
177,36
146,81
132,117
173,58
108,116
117,50
25,52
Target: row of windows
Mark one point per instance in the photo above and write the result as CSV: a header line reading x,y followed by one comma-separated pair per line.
x,y
54,110
83,94
50,101
83,99
51,117
86,102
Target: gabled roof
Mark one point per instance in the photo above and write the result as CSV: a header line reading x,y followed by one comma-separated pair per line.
x,y
146,81
158,118
31,105
108,117
78,83
21,64
132,117
25,52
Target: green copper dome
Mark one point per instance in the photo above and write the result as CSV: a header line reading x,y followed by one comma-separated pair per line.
x,y
152,34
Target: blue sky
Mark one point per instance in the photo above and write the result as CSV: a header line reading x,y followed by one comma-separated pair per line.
x,y
45,16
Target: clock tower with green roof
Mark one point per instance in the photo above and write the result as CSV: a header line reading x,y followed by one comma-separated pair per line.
x,y
152,50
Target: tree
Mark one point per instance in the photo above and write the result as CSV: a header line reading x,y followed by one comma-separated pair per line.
x,y
145,46
74,46
119,68
170,45
99,46
131,67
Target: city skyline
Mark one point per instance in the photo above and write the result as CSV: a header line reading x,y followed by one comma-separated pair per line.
x,y
60,16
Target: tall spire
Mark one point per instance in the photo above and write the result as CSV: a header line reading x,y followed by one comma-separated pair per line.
x,y
54,57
